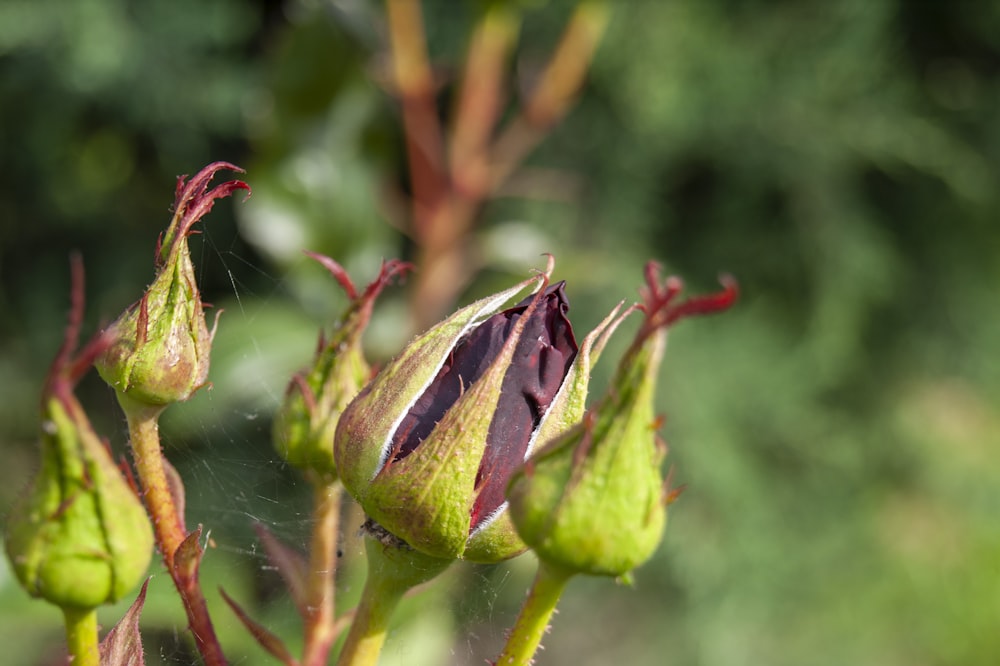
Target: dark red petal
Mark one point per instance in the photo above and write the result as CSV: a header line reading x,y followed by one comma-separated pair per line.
x,y
466,364
541,361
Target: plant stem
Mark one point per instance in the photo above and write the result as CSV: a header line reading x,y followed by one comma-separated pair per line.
x,y
321,588
168,523
81,636
144,438
534,617
392,571
370,625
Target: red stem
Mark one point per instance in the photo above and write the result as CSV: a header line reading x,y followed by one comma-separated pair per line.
x,y
168,525
320,630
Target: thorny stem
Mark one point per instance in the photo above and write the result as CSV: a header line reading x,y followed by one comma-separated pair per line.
x,y
320,630
144,438
81,636
534,617
168,524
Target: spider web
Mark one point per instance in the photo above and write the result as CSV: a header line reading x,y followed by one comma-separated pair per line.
x,y
220,443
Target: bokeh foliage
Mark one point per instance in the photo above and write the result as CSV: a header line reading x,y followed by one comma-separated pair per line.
x,y
838,430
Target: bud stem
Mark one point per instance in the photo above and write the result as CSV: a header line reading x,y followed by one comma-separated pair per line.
x,y
168,524
320,630
81,636
144,438
533,619
392,571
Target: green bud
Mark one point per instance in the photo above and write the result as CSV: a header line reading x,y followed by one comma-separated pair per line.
x,y
79,537
159,347
307,419
593,500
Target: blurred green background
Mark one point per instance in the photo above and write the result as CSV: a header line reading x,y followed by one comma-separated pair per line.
x,y
837,430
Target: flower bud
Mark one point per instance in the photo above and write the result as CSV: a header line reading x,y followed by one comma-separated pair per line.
x,y
427,447
592,500
160,346
79,537
305,424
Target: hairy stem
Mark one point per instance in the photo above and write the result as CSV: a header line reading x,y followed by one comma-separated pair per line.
x,y
392,571
534,617
320,630
168,524
370,625
81,636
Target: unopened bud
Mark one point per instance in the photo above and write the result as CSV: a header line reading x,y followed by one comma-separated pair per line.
x,y
79,537
307,419
159,347
593,500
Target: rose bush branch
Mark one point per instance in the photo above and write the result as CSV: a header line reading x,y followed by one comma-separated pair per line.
x,y
157,355
453,170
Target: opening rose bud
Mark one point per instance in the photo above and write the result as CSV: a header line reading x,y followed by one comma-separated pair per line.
x,y
542,357
428,446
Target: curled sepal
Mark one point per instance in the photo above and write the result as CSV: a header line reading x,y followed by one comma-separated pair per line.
x,y
592,500
79,536
159,347
305,424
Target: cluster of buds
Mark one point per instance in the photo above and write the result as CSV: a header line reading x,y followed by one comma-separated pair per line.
x,y
431,444
474,443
